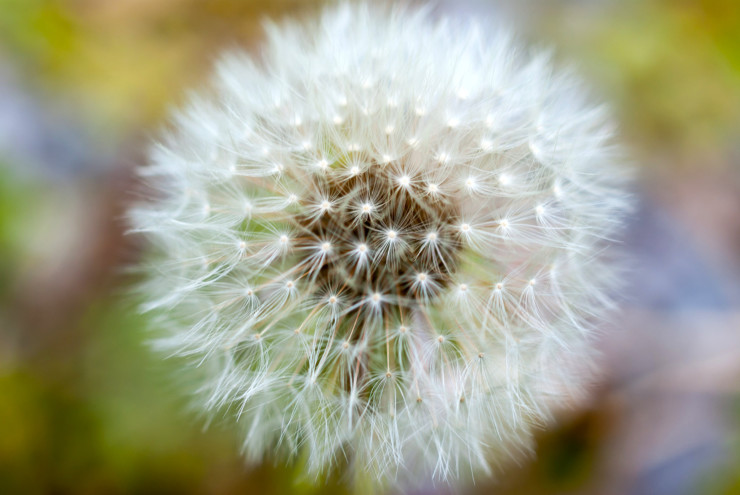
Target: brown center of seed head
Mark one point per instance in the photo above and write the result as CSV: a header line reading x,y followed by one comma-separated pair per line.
x,y
387,233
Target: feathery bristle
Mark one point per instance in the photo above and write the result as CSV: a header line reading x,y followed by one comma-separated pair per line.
x,y
385,241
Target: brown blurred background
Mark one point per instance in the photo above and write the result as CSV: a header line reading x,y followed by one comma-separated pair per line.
x,y
85,408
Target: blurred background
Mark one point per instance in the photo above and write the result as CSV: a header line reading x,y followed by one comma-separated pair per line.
x,y
85,408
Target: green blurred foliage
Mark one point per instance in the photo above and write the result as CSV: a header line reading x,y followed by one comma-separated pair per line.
x,y
16,200
671,66
128,60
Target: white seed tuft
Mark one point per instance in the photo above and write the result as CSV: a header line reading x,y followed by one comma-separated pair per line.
x,y
385,244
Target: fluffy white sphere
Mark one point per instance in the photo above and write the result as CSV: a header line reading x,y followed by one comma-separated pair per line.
x,y
383,241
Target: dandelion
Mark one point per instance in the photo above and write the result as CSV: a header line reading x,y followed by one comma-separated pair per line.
x,y
384,242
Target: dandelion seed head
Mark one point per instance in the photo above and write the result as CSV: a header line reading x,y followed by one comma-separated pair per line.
x,y
356,240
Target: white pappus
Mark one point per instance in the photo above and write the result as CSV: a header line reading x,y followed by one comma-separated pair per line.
x,y
384,241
